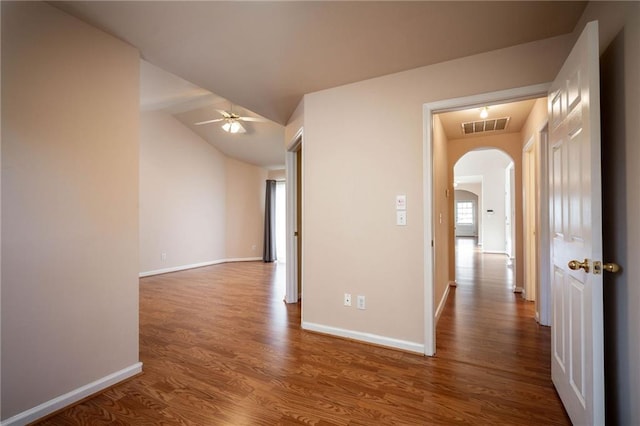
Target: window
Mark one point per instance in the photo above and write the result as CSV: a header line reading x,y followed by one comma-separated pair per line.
x,y
464,213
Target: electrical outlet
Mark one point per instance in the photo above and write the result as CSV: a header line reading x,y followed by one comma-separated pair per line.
x,y
361,304
347,299
254,247
163,256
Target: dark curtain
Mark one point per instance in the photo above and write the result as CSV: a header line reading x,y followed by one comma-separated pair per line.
x,y
269,254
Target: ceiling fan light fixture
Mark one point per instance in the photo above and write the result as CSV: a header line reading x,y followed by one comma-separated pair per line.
x,y
484,112
232,126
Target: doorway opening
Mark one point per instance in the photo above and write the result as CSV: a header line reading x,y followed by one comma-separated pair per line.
x,y
294,222
484,177
440,220
466,213
536,225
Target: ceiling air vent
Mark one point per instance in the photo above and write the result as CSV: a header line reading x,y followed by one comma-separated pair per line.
x,y
482,126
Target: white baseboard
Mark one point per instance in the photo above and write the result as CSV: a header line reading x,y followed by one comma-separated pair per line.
x,y
72,397
242,259
196,265
495,252
443,301
365,337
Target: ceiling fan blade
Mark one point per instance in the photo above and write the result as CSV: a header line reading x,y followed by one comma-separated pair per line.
x,y
256,119
224,113
209,121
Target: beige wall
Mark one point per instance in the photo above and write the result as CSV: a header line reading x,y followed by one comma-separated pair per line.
x,y
441,225
295,124
280,174
351,241
245,197
475,187
69,205
536,119
196,205
182,196
619,24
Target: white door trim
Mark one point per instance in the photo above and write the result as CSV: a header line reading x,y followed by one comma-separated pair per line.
x,y
509,95
544,244
529,220
510,215
291,292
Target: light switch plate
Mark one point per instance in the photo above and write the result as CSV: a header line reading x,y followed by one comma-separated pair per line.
x,y
401,202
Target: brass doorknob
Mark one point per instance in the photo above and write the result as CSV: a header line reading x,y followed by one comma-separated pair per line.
x,y
611,267
598,267
576,265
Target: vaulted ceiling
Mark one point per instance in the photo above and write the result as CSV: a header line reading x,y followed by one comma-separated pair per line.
x,y
261,57
261,145
266,55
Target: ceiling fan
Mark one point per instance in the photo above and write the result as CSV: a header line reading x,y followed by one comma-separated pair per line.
x,y
232,121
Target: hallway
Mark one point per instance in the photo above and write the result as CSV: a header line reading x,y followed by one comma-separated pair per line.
x,y
486,325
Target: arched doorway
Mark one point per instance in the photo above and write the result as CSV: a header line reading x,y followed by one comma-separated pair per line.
x,y
483,206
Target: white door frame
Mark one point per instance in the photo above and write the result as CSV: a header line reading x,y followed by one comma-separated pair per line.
x,y
480,100
530,220
291,295
510,216
542,225
540,199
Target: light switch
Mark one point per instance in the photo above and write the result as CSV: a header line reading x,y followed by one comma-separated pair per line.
x,y
401,202
401,217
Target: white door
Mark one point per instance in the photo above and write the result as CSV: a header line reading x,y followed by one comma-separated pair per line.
x,y
576,232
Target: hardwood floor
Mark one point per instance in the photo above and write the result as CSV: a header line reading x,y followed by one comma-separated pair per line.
x,y
220,347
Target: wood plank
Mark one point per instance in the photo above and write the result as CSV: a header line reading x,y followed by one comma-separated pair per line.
x,y
219,346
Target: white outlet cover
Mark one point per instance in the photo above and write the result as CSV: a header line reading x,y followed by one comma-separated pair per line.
x,y
401,218
361,304
347,299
